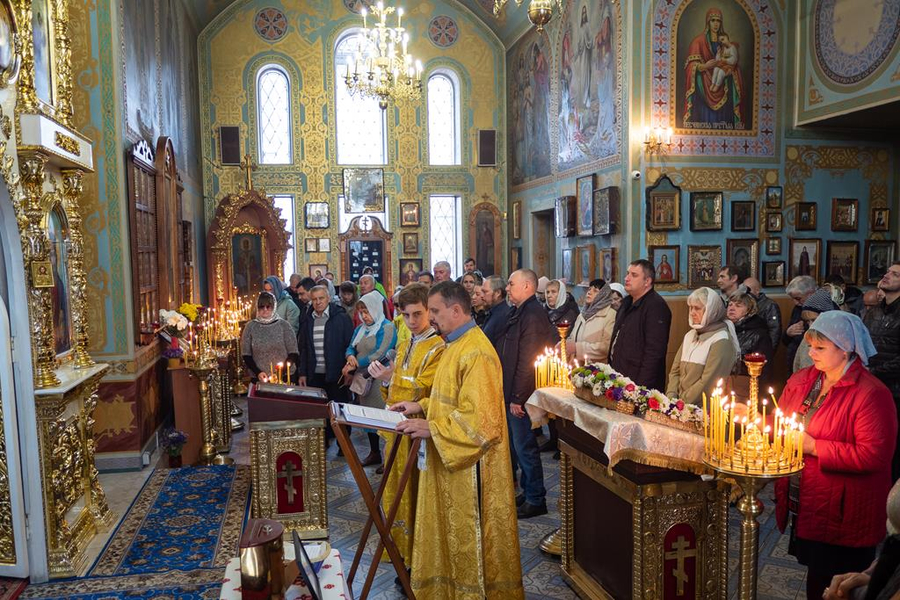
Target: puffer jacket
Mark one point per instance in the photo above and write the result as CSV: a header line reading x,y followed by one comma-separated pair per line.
x,y
883,322
843,490
753,336
771,314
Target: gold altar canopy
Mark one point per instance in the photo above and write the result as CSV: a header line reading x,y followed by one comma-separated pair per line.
x,y
245,244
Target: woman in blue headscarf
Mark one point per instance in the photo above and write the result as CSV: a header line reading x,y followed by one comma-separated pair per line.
x,y
836,505
285,307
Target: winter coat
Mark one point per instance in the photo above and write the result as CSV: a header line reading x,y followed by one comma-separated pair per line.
x,y
770,312
592,337
528,333
699,364
753,336
844,489
792,341
640,340
883,323
496,321
568,312
338,329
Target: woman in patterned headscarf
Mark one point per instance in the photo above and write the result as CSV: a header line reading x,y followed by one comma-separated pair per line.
x,y
820,301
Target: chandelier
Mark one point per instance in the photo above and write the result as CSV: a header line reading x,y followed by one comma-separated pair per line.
x,y
382,68
539,11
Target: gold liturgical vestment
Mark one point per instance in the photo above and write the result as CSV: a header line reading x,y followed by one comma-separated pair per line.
x,y
466,537
413,374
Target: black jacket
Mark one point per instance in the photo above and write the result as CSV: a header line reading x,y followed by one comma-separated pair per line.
x,y
792,342
883,322
338,331
528,333
640,340
569,312
496,321
771,314
753,336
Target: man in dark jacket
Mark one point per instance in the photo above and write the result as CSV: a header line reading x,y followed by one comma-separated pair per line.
x,y
799,289
528,332
640,337
767,309
497,308
883,323
327,332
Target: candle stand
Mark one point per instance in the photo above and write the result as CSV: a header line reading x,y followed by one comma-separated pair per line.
x,y
552,542
202,371
752,462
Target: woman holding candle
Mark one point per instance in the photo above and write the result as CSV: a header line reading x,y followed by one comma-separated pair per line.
x,y
267,341
708,351
561,306
371,341
836,505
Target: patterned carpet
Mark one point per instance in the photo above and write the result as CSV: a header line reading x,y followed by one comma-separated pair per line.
x,y
174,542
10,588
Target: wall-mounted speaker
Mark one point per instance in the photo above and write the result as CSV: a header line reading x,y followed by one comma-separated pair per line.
x,y
487,147
230,145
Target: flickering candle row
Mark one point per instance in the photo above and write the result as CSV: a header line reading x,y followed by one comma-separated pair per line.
x,y
747,442
279,373
551,371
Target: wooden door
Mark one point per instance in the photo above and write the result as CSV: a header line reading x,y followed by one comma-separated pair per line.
x,y
543,244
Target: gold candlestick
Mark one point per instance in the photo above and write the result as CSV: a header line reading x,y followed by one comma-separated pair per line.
x,y
208,450
563,329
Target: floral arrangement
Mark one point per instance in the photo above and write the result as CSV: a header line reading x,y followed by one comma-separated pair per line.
x,y
173,323
173,352
173,440
604,382
190,311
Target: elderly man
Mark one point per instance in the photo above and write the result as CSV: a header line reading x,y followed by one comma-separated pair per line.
x,y
799,289
528,332
496,307
367,283
326,335
883,322
441,271
641,334
870,301
766,308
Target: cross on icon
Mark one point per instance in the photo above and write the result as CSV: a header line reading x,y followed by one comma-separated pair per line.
x,y
288,472
680,551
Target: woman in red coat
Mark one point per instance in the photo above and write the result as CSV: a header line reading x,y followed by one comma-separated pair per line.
x,y
836,506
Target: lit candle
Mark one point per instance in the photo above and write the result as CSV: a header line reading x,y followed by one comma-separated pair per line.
x,y
800,445
399,15
364,12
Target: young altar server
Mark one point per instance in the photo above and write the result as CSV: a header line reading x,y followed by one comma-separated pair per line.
x,y
468,546
410,376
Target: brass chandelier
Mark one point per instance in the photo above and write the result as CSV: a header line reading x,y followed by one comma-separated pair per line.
x,y
539,11
382,67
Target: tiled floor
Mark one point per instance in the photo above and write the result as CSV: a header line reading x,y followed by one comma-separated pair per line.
x,y
779,576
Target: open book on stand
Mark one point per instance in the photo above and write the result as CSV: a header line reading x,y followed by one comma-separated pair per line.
x,y
365,416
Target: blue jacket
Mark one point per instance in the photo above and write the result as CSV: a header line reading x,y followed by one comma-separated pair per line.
x,y
495,323
338,332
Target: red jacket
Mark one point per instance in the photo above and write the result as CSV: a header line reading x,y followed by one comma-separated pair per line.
x,y
843,490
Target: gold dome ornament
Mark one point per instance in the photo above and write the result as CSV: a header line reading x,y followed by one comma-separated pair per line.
x,y
540,12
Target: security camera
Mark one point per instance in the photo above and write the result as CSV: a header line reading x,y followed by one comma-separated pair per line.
x,y
635,175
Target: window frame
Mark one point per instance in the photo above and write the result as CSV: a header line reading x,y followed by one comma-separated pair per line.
x,y
290,256
454,79
260,73
345,35
457,263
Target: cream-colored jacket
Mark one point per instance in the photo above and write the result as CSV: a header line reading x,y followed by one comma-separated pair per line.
x,y
593,337
700,362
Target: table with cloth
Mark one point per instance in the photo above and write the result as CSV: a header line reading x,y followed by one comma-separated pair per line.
x,y
640,517
331,579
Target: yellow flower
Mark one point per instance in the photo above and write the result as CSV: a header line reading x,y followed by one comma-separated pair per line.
x,y
191,311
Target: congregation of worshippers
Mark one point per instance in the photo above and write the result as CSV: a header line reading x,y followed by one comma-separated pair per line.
x,y
842,354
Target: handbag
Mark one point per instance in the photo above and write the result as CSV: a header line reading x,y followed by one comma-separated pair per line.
x,y
360,385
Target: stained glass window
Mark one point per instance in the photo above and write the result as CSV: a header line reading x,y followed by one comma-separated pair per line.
x,y
285,204
274,119
361,127
446,231
443,119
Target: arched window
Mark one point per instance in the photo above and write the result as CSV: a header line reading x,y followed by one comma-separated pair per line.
x,y
443,119
273,99
360,123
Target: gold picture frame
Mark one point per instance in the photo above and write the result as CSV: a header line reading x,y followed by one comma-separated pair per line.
x,y
45,75
10,44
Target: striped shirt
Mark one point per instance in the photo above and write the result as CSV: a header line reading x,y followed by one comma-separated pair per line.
x,y
318,339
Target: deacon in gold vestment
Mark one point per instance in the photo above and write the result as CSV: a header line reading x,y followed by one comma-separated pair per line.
x,y
466,537
410,377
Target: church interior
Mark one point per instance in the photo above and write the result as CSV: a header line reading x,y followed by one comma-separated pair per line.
x,y
163,162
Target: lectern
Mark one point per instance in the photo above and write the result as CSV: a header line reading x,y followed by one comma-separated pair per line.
x,y
287,456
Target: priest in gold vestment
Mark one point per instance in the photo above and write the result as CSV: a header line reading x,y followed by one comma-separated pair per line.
x,y
466,537
410,377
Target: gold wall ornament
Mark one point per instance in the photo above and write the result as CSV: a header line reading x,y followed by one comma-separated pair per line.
x,y
72,190
75,506
67,143
36,250
61,69
7,536
26,99
11,48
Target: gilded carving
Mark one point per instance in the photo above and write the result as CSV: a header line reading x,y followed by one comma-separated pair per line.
x,y
72,191
7,538
67,143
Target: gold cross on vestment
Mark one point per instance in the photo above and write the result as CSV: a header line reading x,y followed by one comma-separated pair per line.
x,y
249,166
680,551
288,472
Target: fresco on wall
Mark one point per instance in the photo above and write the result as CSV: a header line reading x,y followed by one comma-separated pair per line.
x,y
141,69
588,129
714,75
715,48
853,39
529,117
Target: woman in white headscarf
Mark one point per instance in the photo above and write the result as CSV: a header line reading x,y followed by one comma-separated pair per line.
x,y
371,341
561,306
709,349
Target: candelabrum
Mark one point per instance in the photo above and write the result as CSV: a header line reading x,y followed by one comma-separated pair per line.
x,y
203,371
752,453
551,369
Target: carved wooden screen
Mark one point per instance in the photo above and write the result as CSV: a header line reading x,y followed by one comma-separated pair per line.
x,y
187,273
168,200
144,240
